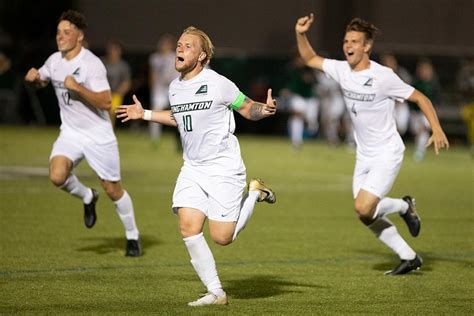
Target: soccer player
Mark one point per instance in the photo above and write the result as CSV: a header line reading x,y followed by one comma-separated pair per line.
x,y
162,72
370,91
213,178
83,92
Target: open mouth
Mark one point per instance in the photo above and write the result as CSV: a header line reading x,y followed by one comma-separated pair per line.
x,y
180,59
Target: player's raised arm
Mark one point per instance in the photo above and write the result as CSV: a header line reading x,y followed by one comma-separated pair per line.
x,y
304,47
438,138
255,111
136,112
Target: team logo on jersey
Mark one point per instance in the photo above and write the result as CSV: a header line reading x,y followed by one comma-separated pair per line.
x,y
364,97
368,83
202,90
76,72
194,106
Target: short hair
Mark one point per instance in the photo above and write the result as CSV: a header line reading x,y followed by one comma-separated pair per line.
x,y
206,43
359,25
75,18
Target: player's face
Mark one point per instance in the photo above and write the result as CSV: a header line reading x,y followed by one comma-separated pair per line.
x,y
68,37
188,52
355,47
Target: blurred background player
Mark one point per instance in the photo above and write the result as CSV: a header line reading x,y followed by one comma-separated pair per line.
x,y
332,109
213,177
402,110
83,92
118,74
162,72
303,104
427,83
369,92
465,83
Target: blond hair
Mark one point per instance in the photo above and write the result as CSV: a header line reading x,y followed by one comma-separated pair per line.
x,y
206,43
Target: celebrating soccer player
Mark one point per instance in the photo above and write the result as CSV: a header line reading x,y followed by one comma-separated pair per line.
x,y
213,178
370,91
83,92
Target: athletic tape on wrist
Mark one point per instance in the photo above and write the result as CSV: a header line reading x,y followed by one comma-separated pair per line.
x,y
147,115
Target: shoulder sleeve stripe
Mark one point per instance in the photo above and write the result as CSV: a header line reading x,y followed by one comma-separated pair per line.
x,y
239,100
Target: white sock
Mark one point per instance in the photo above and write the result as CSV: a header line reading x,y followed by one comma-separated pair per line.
x,y
421,140
246,211
155,130
388,206
388,234
296,131
76,188
124,208
204,263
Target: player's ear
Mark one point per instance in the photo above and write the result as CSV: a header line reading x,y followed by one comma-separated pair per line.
x,y
368,46
202,56
81,36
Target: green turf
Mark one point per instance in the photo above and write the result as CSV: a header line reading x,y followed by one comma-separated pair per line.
x,y
307,254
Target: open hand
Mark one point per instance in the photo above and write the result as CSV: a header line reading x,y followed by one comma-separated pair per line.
x,y
439,140
130,112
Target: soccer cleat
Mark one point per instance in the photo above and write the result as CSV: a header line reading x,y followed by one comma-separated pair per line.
x,y
89,210
265,193
133,248
406,266
210,299
411,216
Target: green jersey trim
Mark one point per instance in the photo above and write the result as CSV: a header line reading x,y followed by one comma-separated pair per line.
x,y
238,101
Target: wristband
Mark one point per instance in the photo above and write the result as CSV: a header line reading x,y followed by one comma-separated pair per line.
x,y
147,115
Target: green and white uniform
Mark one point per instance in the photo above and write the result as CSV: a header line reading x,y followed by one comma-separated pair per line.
x,y
213,177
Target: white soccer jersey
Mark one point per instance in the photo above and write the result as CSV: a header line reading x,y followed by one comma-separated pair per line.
x,y
78,118
370,97
202,109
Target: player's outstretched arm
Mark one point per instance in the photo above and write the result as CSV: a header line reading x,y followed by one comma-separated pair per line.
x,y
438,138
33,78
304,47
255,111
135,111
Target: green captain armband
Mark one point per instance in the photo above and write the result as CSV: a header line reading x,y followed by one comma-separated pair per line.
x,y
238,101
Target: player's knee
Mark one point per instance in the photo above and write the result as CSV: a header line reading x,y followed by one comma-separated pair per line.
x,y
113,190
222,240
188,230
57,178
364,212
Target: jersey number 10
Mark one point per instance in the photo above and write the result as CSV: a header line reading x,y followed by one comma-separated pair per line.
x,y
187,123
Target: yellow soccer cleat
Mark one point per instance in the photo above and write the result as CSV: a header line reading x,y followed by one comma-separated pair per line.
x,y
265,193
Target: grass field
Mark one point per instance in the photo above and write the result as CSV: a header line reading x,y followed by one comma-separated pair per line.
x,y
306,254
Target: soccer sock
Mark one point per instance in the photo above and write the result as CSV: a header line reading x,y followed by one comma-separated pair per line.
x,y
124,208
388,234
204,263
155,130
421,141
296,131
246,211
76,188
388,206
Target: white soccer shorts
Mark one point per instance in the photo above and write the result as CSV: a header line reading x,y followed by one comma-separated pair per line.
x,y
102,158
218,197
376,175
